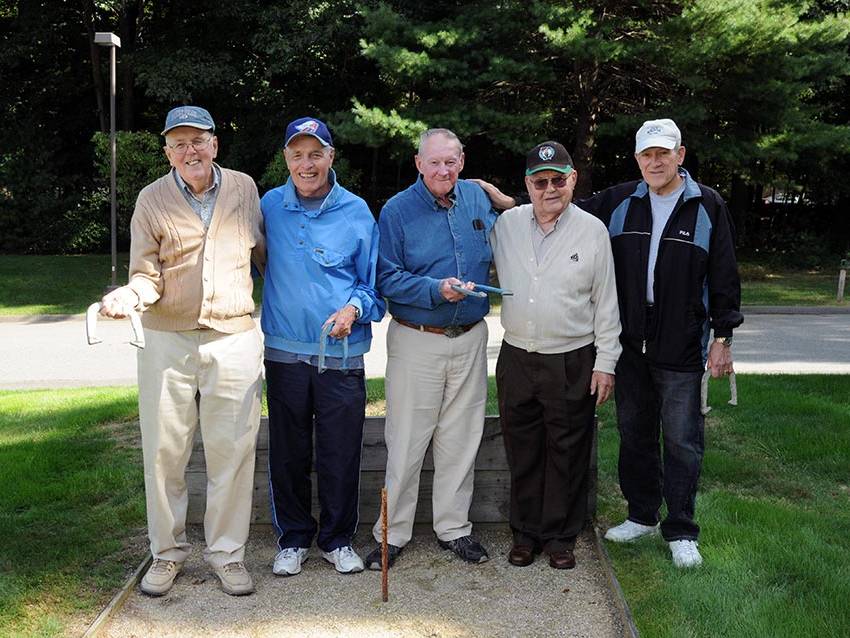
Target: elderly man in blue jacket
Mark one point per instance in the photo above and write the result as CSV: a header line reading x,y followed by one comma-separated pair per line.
x,y
319,300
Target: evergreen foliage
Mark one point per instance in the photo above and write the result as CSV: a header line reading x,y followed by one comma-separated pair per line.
x,y
758,87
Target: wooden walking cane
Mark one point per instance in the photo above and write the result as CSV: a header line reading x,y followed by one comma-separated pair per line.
x,y
385,589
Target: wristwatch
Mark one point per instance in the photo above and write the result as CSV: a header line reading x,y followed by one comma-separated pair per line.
x,y
726,341
356,312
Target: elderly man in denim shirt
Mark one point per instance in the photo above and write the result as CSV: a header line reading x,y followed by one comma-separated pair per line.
x,y
433,237
318,304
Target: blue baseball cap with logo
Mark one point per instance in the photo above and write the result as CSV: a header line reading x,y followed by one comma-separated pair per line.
x,y
309,126
193,116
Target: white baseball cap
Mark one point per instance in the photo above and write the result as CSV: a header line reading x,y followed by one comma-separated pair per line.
x,y
661,133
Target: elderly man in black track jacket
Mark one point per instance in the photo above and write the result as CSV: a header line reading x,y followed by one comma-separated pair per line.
x,y
677,275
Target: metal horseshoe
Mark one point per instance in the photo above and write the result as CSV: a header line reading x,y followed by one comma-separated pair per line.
x,y
733,390
91,326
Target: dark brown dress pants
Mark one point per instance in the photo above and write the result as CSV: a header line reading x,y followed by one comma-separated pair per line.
x,y
547,417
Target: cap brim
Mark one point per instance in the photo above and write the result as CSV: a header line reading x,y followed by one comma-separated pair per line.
x,y
548,167
203,127
655,142
292,137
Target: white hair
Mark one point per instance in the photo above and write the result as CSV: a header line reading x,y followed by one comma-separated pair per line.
x,y
440,131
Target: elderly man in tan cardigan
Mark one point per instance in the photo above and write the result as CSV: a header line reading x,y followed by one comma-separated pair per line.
x,y
194,234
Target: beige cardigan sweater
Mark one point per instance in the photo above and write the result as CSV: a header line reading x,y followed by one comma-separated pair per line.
x,y
570,299
187,277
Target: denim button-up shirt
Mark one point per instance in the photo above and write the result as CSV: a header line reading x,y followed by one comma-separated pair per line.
x,y
422,243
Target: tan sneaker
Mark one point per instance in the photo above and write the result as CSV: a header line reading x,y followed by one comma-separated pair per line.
x,y
160,577
235,579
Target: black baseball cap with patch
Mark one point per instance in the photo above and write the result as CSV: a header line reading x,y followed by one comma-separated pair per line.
x,y
548,156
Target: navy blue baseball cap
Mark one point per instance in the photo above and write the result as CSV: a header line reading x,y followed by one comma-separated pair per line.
x,y
309,126
193,116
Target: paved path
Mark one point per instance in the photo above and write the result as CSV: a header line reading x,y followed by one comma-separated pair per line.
x,y
48,354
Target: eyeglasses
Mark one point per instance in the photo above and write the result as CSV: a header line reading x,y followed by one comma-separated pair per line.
x,y
542,184
183,147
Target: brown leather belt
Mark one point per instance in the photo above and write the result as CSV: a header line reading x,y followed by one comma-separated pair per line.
x,y
449,331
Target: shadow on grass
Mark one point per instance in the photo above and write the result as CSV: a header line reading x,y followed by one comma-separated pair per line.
x,y
72,502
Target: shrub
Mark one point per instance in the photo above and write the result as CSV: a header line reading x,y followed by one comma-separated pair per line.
x,y
139,161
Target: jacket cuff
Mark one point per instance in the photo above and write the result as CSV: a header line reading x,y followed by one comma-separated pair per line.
x,y
604,365
355,301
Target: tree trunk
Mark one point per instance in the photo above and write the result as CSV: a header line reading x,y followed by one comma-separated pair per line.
x,y
97,76
587,76
374,184
128,28
740,205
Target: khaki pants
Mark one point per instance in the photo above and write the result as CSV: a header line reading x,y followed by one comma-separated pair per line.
x,y
436,390
226,370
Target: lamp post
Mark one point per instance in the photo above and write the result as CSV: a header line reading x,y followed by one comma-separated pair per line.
x,y
108,39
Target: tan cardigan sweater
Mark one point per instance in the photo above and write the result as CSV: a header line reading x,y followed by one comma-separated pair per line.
x,y
187,277
570,299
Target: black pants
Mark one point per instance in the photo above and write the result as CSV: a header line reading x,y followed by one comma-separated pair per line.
x,y
336,399
546,412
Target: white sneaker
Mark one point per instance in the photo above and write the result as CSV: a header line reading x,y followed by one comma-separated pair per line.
x,y
629,531
344,559
685,553
288,561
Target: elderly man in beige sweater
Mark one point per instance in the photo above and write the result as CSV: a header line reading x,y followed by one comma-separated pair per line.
x,y
558,356
194,234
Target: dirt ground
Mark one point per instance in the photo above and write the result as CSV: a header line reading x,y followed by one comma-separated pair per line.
x,y
433,594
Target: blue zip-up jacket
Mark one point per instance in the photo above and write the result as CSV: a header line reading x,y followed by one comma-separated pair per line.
x,y
422,243
318,261
696,273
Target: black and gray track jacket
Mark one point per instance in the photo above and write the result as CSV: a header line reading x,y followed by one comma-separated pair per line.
x,y
696,273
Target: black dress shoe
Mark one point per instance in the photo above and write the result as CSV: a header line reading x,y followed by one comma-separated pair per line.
x,y
521,555
562,560
466,548
373,560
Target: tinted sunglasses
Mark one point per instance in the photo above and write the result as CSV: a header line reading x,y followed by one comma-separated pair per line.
x,y
542,184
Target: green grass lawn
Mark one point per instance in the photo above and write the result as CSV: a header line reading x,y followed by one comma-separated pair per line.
x,y
59,284
32,284
762,286
774,507
55,285
72,510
